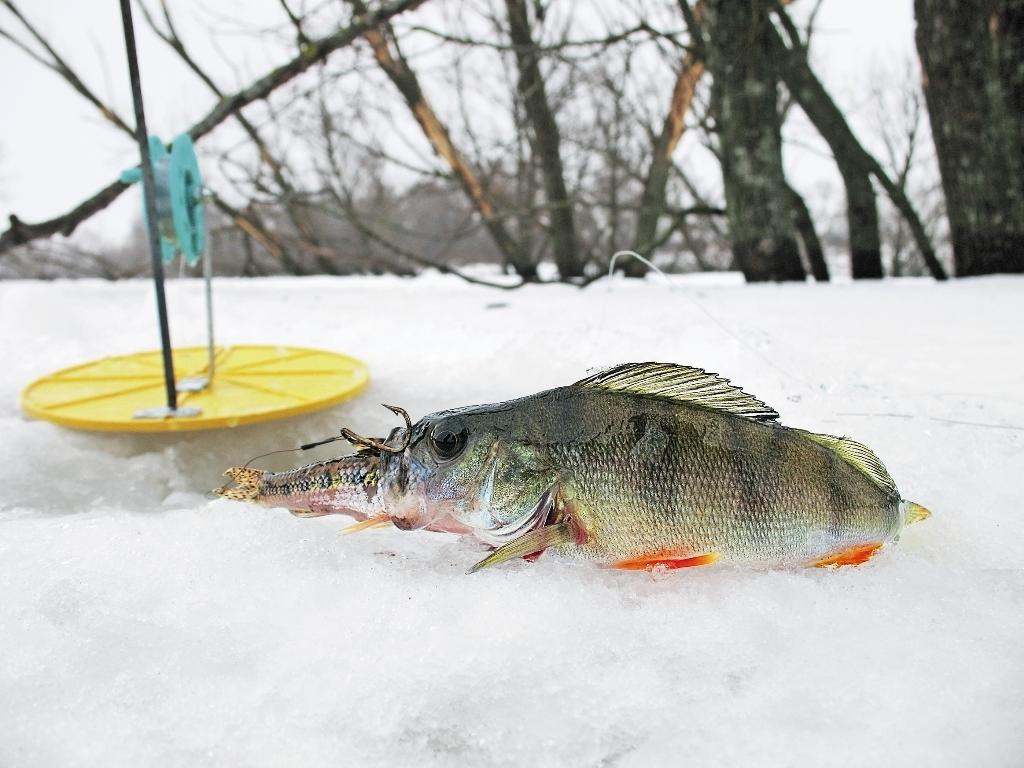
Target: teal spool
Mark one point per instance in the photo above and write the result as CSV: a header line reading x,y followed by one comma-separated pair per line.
x,y
181,215
185,186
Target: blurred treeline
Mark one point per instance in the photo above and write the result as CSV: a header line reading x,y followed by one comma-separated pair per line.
x,y
427,132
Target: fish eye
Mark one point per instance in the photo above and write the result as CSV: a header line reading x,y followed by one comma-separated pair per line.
x,y
448,439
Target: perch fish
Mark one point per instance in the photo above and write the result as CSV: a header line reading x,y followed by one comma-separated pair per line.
x,y
642,465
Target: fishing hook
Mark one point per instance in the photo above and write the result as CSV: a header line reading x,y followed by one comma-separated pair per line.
x,y
381,445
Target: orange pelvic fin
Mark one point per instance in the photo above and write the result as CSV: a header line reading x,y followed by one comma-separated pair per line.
x,y
671,559
377,521
850,556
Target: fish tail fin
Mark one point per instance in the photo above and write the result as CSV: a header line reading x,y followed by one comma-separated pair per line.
x,y
247,484
913,512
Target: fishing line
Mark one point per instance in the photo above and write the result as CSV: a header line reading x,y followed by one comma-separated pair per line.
x,y
959,422
304,447
762,356
218,492
707,313
351,437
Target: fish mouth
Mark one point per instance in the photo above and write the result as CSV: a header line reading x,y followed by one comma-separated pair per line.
x,y
403,493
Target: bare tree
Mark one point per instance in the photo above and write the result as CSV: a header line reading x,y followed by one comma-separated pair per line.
x,y
810,94
312,53
653,200
285,190
901,126
546,141
735,38
389,56
501,132
971,52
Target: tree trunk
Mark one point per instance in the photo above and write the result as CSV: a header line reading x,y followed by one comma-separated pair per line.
x,y
861,208
972,54
804,225
546,142
854,158
862,221
744,101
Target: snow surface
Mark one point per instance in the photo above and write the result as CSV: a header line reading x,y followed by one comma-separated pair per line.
x,y
143,624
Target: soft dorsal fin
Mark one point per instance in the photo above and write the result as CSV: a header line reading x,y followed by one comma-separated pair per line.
x,y
860,457
682,384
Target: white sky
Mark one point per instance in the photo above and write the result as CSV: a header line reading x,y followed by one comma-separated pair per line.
x,y
55,150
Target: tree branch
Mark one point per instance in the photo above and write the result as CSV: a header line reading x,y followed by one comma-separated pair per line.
x,y
20,232
827,118
390,59
287,193
313,53
600,42
61,67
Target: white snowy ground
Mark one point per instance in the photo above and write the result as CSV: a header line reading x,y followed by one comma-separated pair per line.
x,y
143,624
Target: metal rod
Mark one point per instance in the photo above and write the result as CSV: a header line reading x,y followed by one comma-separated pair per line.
x,y
208,280
149,195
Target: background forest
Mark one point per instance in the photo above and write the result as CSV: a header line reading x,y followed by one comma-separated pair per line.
x,y
419,133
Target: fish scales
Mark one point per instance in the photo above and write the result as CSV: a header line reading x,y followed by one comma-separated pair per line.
x,y
700,481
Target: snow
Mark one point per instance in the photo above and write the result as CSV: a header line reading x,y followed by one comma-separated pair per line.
x,y
142,623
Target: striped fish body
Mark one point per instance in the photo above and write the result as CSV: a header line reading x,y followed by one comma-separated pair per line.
x,y
659,476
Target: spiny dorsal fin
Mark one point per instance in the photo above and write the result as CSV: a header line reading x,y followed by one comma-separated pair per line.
x,y
683,384
860,457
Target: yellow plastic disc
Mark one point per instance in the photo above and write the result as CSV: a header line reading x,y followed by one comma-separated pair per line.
x,y
250,383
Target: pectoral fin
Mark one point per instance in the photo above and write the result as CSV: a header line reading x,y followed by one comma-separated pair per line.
x,y
528,544
850,556
667,558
